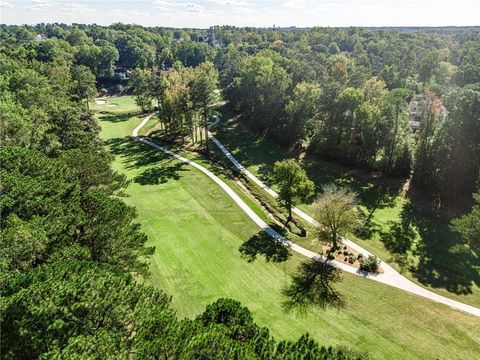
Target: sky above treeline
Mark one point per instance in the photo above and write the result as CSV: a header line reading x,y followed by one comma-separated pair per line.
x,y
261,13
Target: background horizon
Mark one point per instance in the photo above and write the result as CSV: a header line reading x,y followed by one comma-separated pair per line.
x,y
245,13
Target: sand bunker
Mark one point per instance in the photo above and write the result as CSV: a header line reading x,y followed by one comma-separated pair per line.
x,y
100,102
111,104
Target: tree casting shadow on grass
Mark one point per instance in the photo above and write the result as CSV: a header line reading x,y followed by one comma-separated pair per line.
x,y
248,146
159,174
251,148
265,245
156,167
313,286
117,118
437,265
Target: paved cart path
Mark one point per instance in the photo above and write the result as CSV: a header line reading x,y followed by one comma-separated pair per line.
x,y
390,276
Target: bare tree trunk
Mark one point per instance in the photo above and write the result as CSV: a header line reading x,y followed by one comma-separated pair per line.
x,y
206,136
334,240
205,115
394,140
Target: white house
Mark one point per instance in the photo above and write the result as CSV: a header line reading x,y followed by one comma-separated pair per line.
x,y
121,73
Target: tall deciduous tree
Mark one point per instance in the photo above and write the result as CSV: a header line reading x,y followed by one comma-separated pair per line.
x,y
460,152
84,83
106,59
389,74
335,212
261,91
428,143
395,104
301,110
157,85
140,81
293,182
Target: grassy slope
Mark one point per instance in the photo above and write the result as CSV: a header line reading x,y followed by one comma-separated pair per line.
x,y
397,225
197,230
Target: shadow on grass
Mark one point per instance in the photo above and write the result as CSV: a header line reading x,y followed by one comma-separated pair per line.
x,y
437,265
313,286
156,167
399,237
265,245
117,118
159,175
252,149
433,264
248,147
374,192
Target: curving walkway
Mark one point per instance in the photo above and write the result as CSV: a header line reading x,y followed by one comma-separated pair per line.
x,y
390,276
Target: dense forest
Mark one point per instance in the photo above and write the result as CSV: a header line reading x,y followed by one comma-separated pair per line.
x,y
72,257
344,94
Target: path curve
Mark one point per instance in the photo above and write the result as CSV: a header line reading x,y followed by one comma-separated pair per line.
x,y
392,278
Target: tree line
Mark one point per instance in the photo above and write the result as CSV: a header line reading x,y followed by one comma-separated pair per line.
x,y
342,94
366,125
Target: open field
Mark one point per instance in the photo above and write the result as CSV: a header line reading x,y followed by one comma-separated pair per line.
x,y
397,225
197,231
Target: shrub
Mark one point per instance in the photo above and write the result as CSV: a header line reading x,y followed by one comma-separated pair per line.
x,y
345,252
370,263
351,258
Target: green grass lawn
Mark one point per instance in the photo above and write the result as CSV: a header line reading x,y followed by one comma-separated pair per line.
x,y
398,226
197,230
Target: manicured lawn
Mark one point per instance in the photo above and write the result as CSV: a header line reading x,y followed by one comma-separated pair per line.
x,y
197,230
116,105
398,226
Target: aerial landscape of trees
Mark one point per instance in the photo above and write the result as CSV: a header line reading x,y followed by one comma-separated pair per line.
x,y
72,256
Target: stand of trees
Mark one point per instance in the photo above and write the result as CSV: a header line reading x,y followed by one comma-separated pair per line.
x,y
185,97
448,151
70,251
339,93
468,226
